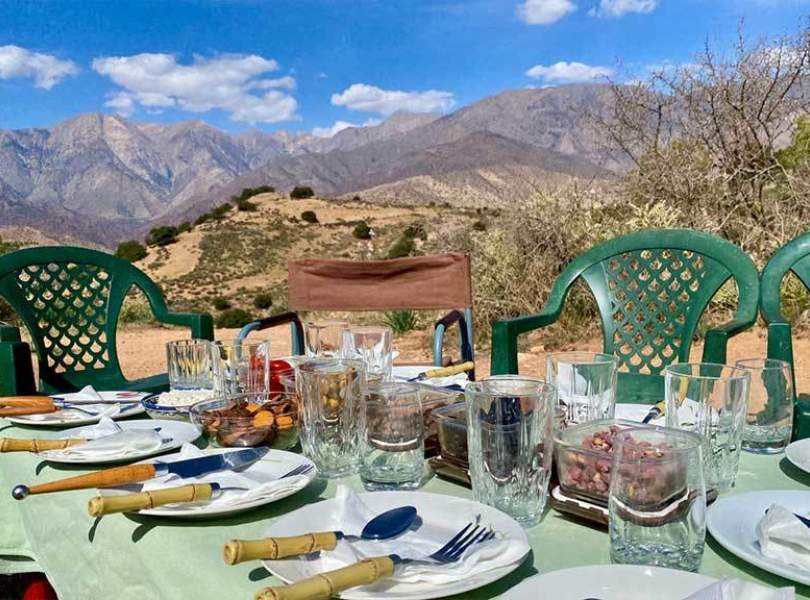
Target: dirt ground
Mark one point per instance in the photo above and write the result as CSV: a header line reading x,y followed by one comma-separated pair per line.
x,y
142,350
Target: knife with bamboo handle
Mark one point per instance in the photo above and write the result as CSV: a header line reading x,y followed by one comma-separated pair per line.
x,y
18,445
444,371
192,467
26,405
194,492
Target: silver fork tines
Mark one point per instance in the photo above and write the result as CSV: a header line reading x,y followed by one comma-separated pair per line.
x,y
301,469
458,544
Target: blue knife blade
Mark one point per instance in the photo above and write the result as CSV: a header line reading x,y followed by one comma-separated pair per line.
x,y
195,467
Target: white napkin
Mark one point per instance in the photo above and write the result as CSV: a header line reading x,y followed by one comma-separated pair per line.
x,y
783,537
107,440
86,395
240,488
737,589
457,379
352,515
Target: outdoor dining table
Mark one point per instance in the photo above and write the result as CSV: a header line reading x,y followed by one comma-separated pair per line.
x,y
137,557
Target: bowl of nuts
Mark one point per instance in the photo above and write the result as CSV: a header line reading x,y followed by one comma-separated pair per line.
x,y
253,419
584,454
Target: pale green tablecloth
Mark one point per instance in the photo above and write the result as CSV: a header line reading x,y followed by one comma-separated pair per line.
x,y
140,557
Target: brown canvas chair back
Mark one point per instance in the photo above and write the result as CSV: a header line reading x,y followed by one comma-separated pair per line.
x,y
439,281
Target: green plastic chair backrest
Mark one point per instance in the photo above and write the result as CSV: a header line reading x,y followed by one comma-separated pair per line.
x,y
652,287
69,300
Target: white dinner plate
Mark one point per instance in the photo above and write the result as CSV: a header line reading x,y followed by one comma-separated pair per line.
x,y
74,417
175,434
799,454
631,412
732,521
266,469
610,582
438,511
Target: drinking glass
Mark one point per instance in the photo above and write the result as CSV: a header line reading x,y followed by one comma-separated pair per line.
x,y
189,364
585,382
324,338
769,418
372,345
394,453
710,399
509,435
657,498
240,367
332,415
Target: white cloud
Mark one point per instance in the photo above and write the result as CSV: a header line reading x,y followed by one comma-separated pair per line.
x,y
617,8
338,126
45,69
224,82
370,98
544,12
568,72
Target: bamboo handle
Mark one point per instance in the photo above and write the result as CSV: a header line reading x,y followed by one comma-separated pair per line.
x,y
106,505
237,551
325,585
26,405
105,478
448,371
15,445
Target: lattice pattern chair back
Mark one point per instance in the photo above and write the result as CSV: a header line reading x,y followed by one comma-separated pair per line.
x,y
69,299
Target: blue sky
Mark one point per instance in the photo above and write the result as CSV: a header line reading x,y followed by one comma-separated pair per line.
x,y
306,64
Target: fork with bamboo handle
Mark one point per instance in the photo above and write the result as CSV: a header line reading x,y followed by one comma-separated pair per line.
x,y
17,445
107,505
238,551
26,405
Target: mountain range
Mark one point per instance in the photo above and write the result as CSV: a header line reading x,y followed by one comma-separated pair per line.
x,y
103,178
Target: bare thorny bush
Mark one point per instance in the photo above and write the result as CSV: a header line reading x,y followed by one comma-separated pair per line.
x,y
719,145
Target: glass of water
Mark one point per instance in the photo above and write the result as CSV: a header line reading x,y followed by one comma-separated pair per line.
x,y
372,345
509,435
657,498
190,366
711,400
769,418
241,367
324,338
585,382
394,453
331,412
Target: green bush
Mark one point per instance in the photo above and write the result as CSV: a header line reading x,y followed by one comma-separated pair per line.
x,y
250,192
246,206
204,218
221,303
404,246
184,227
162,236
131,251
309,216
302,191
479,226
234,318
263,300
362,231
401,321
135,311
417,230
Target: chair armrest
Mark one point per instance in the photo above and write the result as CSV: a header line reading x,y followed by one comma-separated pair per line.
x,y
201,324
454,316
275,320
714,350
16,366
801,418
504,339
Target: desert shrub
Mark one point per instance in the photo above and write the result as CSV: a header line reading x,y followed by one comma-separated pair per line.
x,y
135,311
401,321
250,192
233,318
415,231
131,251
184,227
404,246
246,206
302,191
309,216
479,226
263,300
204,218
356,198
221,303
162,235
220,211
362,231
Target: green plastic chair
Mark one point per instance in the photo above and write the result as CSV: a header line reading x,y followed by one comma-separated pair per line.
x,y
651,288
70,299
793,257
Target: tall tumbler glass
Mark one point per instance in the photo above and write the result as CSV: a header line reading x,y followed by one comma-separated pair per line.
x,y
372,345
394,454
657,498
586,384
710,399
509,435
189,364
241,367
324,338
769,418
332,416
